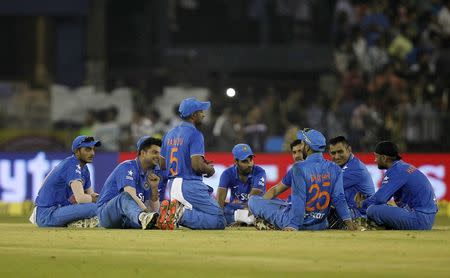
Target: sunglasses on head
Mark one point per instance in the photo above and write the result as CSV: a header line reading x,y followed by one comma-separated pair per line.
x,y
88,139
304,131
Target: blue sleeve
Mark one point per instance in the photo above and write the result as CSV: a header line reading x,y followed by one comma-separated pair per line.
x,y
224,180
298,200
287,179
73,173
338,197
259,180
387,190
125,176
197,144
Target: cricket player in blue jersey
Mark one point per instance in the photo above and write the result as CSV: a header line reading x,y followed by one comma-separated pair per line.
x,y
412,191
286,183
67,194
129,197
183,155
356,178
316,184
244,179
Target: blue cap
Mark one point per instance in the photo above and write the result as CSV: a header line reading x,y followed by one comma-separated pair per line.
x,y
313,138
84,141
141,142
190,105
241,151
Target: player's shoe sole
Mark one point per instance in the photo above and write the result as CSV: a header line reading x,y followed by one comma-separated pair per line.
x,y
172,214
163,210
84,223
262,225
149,220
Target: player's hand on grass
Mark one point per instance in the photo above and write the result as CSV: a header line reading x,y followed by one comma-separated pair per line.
x,y
350,225
289,229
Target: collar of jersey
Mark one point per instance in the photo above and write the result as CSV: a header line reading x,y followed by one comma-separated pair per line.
x,y
349,159
249,176
314,157
141,172
184,123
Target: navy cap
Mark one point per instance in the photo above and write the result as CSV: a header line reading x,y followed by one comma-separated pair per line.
x,y
387,148
141,142
241,151
190,105
313,138
84,141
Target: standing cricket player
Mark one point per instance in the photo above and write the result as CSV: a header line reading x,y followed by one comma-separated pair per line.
x,y
412,191
244,179
183,155
316,184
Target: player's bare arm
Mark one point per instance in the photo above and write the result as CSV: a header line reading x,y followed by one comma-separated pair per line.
x,y
91,192
200,166
80,196
276,190
221,196
132,191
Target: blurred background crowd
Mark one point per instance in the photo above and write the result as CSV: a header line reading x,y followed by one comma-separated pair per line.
x,y
117,70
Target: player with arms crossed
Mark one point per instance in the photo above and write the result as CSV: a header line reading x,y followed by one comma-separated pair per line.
x,y
244,179
129,197
67,195
412,191
316,184
182,154
356,179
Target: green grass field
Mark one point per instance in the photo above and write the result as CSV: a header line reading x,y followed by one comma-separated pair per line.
x,y
27,251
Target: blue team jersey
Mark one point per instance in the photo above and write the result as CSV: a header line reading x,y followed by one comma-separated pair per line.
x,y
127,173
287,179
316,184
56,188
240,190
410,188
179,145
356,179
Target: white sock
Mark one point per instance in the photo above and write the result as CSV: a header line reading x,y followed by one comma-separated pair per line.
x,y
242,215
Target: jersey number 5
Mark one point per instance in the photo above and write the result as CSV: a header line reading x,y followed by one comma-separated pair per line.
x,y
319,195
173,163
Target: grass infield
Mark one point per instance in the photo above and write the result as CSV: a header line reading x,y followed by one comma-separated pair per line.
x,y
27,251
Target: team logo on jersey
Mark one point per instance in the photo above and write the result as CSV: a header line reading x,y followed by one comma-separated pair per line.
x,y
147,186
385,180
262,181
78,170
130,175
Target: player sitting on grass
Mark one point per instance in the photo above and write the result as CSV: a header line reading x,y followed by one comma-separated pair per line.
x,y
412,191
66,194
183,155
244,179
129,198
356,179
316,184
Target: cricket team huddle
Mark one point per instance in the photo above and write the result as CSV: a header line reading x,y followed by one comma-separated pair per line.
x,y
337,194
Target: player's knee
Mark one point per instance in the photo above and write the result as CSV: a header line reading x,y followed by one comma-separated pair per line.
x,y
372,211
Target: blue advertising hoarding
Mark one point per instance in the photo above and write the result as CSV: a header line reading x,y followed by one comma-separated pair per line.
x,y
21,174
